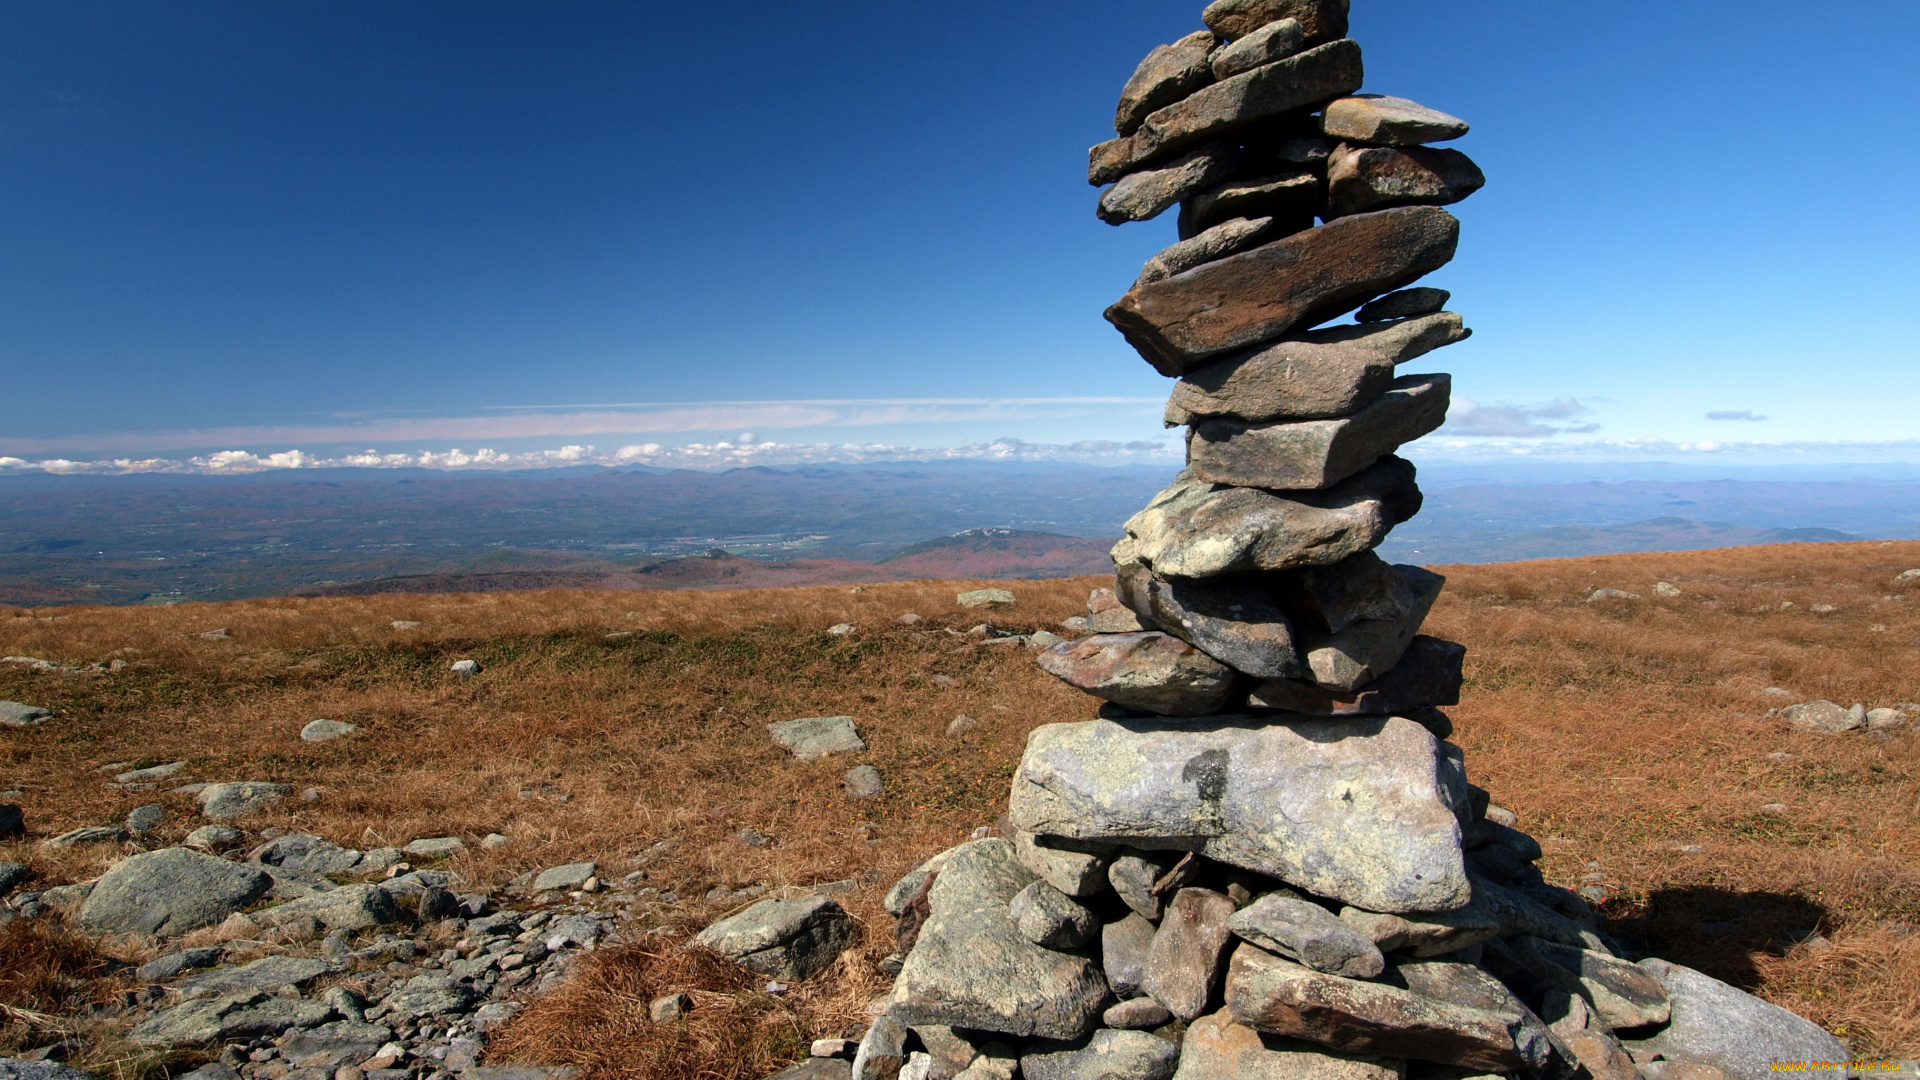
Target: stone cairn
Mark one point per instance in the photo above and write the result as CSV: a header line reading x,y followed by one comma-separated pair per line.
x,y
1263,859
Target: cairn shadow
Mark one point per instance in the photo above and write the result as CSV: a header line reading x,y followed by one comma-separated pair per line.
x,y
1719,931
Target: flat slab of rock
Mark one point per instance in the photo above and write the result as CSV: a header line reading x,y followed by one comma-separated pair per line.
x,y
1360,810
223,802
1148,671
1169,73
972,969
327,730
17,1069
430,995
268,973
1320,20
1718,1025
570,876
1217,1047
1319,74
318,855
435,847
1824,716
1428,674
786,939
1389,121
16,714
814,737
1276,40
1291,199
1623,995
1107,1055
234,1016
1363,178
1311,378
1144,195
1197,529
1311,455
983,598
170,892
1189,951
1407,303
1218,242
1195,318
87,834
349,907
1307,933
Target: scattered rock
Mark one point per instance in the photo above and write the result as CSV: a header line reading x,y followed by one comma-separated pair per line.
x,y
961,725
1389,121
350,907
562,878
13,821
980,598
89,834
435,847
753,838
326,730
14,714
150,774
1881,719
814,737
267,973
170,892
1611,594
223,802
215,838
787,939
173,964
840,629
673,1008
1825,716
465,668
13,875
1666,589
234,1016
863,782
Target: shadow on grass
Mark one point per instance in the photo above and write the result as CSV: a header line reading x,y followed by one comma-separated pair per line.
x,y
1718,931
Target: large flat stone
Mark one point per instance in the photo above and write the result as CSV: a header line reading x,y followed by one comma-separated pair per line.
x,y
1389,121
1321,375
786,939
235,1016
170,892
1143,195
1320,20
1319,74
350,907
1622,994
813,737
1725,1027
1279,996
1217,1048
1369,648
1190,320
1230,621
1311,455
1168,74
1196,529
1428,674
1148,671
1359,810
1189,951
972,969
1363,178
1224,239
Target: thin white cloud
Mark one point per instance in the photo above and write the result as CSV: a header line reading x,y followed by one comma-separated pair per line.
x,y
1732,414
511,422
1471,419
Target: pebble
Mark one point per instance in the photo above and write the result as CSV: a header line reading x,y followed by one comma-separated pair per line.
x,y
465,668
326,730
840,629
961,725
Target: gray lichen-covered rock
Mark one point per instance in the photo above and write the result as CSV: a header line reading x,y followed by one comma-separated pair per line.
x,y
350,907
1622,994
1189,951
1124,947
1718,1025
1216,1047
321,856
1824,716
1318,375
814,737
430,995
1133,875
17,1069
1311,455
234,1016
222,802
1048,917
787,939
1196,529
267,973
1106,1055
1359,810
1388,121
1196,318
1149,671
1143,195
1169,73
17,714
972,968
1308,933
882,1051
570,876
1075,868
170,892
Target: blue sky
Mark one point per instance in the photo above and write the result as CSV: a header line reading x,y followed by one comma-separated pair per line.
x,y
338,228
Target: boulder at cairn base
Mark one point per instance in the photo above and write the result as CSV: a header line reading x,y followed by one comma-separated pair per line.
x,y
1196,529
1320,20
1169,73
1216,1048
170,892
1265,92
1363,178
786,939
1148,671
1358,810
1311,455
1189,320
1188,951
1321,375
1718,1025
1389,121
1427,674
971,968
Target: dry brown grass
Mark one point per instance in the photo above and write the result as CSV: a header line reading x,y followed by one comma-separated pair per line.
x,y
1619,731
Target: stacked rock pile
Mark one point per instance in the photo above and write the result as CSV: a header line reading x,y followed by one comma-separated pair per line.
x,y
1264,858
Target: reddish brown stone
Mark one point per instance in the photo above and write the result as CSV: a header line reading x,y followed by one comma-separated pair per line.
x,y
1183,322
1169,73
1362,178
1322,20
1190,948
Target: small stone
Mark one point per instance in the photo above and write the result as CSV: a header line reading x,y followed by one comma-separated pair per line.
x,y
1189,951
1882,719
1312,455
1050,918
327,730
1610,594
150,773
436,903
1824,716
1773,808
787,939
1405,304
15,714
144,819
1907,577
1192,319
570,876
1226,238
90,834
1139,1014
1320,20
435,847
814,737
494,841
981,598
672,1008
1289,198
215,838
13,875
883,1050
840,629
268,973
1389,121
1041,639
961,725
1124,948
1666,589
13,821
1150,671
1144,195
1106,1055
1275,41
222,802
1169,73
1363,178
1133,875
1074,868
466,669
753,838
405,624
1429,673
1304,931
863,782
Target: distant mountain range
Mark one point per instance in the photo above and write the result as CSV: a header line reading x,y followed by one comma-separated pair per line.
x,y
130,539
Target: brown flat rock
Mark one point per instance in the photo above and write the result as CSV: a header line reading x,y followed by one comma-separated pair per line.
x,y
1291,199
1363,178
1189,951
1312,455
1322,375
1320,20
1389,121
1146,194
1169,73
